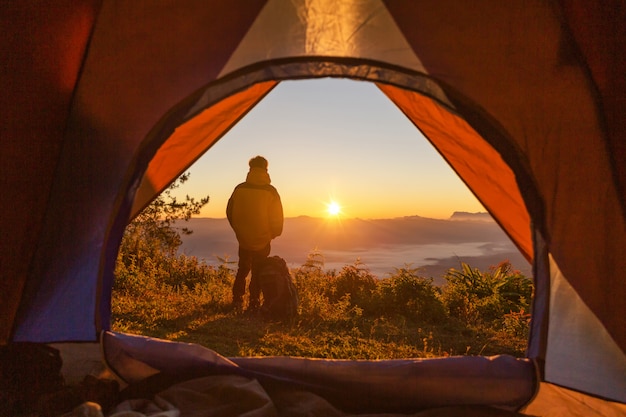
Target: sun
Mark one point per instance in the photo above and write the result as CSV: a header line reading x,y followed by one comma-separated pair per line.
x,y
333,208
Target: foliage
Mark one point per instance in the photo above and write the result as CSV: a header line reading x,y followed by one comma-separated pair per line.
x,y
356,282
517,324
152,234
349,314
483,298
317,295
408,294
314,262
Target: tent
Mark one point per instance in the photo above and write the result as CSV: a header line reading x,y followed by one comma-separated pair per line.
x,y
105,102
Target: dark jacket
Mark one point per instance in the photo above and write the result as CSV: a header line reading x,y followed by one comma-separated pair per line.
x,y
255,211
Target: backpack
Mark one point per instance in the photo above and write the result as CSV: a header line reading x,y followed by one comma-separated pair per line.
x,y
280,297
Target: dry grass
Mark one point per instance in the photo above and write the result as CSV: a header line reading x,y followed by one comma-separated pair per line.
x,y
343,314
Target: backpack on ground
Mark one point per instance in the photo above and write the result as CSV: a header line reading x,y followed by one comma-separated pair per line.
x,y
280,297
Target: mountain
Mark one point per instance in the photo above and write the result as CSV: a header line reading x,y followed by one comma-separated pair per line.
x,y
466,216
433,245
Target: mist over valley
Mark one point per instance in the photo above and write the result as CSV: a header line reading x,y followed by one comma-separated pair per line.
x,y
432,245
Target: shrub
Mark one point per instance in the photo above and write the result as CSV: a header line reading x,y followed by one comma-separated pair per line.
x,y
318,299
162,294
354,281
517,324
483,298
406,293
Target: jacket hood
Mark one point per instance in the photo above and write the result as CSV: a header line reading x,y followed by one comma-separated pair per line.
x,y
258,176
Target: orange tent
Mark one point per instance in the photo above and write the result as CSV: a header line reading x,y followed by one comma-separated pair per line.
x,y
106,102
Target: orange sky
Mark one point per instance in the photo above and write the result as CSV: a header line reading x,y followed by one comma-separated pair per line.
x,y
338,140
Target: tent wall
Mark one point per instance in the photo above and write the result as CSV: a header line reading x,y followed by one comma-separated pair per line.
x,y
42,46
477,163
580,352
193,139
599,33
139,51
552,112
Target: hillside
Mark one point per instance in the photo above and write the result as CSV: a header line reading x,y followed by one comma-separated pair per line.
x,y
434,245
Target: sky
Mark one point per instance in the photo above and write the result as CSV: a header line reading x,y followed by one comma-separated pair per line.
x,y
332,140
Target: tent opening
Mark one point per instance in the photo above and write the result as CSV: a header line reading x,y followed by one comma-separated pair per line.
x,y
377,270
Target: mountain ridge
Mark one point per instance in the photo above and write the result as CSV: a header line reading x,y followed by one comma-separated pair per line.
x,y
433,245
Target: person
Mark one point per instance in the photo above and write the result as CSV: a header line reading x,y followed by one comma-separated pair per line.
x,y
255,213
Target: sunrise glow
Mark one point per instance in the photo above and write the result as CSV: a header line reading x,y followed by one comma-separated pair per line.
x,y
362,153
333,208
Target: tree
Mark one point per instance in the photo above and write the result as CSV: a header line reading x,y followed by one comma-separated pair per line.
x,y
152,233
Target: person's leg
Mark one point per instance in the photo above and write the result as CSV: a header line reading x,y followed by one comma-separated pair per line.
x,y
243,268
255,288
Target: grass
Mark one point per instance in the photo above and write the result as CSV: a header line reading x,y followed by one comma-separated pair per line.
x,y
346,314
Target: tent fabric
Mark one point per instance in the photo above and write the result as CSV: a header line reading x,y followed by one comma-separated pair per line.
x,y
41,64
584,351
475,161
398,386
80,359
553,400
537,63
524,99
189,141
217,396
600,36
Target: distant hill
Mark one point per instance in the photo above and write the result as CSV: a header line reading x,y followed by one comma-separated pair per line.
x,y
434,245
475,217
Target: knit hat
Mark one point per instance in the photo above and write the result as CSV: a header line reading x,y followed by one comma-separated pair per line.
x,y
258,162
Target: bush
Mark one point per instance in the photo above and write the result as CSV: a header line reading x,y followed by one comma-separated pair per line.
x,y
406,293
517,324
319,302
349,314
483,298
400,316
356,282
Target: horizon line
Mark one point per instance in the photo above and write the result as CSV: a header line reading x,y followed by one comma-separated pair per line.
x,y
363,218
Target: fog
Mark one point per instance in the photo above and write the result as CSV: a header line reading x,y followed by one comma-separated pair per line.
x,y
431,245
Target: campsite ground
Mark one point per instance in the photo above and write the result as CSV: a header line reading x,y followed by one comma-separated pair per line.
x,y
343,314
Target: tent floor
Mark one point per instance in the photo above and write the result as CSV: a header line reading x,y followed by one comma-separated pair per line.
x,y
555,401
80,360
